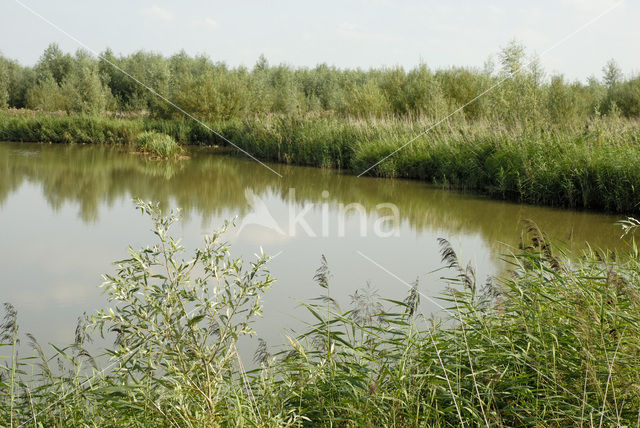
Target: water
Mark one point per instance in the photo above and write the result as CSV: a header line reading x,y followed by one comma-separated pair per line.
x,y
66,213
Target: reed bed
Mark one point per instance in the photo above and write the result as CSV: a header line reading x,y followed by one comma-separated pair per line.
x,y
62,128
158,144
553,342
592,166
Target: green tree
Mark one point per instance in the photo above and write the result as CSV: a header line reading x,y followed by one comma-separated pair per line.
x,y
566,103
321,87
53,63
47,96
422,93
628,98
612,77
518,99
392,83
218,94
287,97
596,92
149,68
612,74
512,58
4,83
461,86
82,88
366,100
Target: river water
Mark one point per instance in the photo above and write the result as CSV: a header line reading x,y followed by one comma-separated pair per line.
x,y
66,213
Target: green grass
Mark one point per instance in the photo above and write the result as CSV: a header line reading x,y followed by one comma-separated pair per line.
x,y
161,145
62,128
554,342
592,166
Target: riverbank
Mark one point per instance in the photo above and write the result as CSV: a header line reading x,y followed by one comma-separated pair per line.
x,y
555,342
595,166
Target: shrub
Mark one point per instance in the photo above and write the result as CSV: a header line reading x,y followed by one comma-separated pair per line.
x,y
161,145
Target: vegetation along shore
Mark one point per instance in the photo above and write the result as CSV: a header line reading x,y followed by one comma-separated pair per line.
x,y
431,244
533,138
552,342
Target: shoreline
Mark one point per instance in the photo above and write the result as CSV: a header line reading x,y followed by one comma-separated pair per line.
x,y
595,168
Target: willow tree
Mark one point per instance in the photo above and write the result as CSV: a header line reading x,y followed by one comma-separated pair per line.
x,y
82,88
4,84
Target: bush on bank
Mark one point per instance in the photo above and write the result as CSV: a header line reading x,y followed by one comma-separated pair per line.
x,y
158,144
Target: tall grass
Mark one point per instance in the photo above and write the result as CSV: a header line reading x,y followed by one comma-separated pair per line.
x,y
62,128
161,145
554,342
592,166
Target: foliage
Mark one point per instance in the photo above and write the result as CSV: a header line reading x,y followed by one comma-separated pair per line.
x,y
176,332
54,63
161,145
213,91
83,88
61,128
46,95
592,165
16,81
4,84
516,134
553,342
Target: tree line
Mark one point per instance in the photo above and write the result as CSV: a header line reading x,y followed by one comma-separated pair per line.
x,y
209,90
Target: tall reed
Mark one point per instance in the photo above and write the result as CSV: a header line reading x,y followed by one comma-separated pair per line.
x,y
554,342
596,166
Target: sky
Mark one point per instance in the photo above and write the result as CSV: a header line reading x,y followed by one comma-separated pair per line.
x,y
347,33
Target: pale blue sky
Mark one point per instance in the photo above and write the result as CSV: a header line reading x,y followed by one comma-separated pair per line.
x,y
349,33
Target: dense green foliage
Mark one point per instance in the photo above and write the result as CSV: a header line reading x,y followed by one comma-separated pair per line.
x,y
213,91
529,137
595,165
158,144
555,342
62,128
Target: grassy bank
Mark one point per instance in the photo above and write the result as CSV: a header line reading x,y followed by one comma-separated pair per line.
x,y
552,343
594,166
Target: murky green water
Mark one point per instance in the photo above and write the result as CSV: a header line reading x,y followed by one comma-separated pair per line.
x,y
66,213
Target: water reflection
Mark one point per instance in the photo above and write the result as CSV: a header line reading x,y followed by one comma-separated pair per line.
x,y
66,214
209,184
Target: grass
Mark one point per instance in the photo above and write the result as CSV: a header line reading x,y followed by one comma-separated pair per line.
x,y
555,342
158,144
62,128
592,166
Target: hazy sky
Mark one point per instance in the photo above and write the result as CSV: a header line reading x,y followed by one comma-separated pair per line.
x,y
348,33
